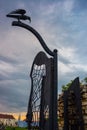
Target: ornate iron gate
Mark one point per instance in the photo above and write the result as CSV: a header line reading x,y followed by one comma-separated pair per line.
x,y
73,119
40,102
43,94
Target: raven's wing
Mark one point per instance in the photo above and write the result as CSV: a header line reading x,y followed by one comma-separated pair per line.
x,y
18,11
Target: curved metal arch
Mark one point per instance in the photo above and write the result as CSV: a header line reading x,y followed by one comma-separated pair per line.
x,y
38,36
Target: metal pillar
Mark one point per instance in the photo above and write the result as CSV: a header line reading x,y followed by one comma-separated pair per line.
x,y
55,125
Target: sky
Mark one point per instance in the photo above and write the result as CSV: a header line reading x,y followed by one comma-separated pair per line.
x,y
63,26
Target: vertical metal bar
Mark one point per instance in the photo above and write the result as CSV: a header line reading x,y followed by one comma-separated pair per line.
x,y
51,127
29,111
55,121
66,121
42,107
79,106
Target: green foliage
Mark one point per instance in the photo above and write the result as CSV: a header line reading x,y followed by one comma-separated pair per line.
x,y
15,128
84,81
65,87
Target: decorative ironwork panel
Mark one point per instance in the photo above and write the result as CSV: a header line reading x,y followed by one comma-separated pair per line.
x,y
39,114
73,119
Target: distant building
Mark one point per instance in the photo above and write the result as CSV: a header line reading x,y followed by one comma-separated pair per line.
x,y
8,120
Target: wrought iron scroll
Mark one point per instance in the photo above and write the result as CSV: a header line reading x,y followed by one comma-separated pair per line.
x,y
73,119
39,114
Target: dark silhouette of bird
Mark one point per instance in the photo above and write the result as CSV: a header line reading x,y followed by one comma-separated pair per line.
x,y
19,14
19,11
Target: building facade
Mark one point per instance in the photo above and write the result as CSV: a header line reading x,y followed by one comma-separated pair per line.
x,y
8,120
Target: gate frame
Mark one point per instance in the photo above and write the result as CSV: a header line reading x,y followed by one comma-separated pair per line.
x,y
18,23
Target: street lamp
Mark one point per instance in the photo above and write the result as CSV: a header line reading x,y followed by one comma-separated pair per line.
x,y
20,15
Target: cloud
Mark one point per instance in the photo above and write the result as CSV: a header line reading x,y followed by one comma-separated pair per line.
x,y
7,59
15,94
67,52
68,6
21,4
62,24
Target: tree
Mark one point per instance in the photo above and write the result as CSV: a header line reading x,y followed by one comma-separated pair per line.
x,y
65,87
84,81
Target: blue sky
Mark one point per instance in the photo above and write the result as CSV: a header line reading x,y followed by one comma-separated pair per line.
x,y
63,26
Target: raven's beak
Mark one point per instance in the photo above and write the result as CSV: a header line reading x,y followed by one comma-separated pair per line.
x,y
9,15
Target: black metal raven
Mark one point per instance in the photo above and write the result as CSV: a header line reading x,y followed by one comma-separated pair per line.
x,y
19,14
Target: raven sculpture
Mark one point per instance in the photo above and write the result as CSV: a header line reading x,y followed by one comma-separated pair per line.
x,y
19,14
